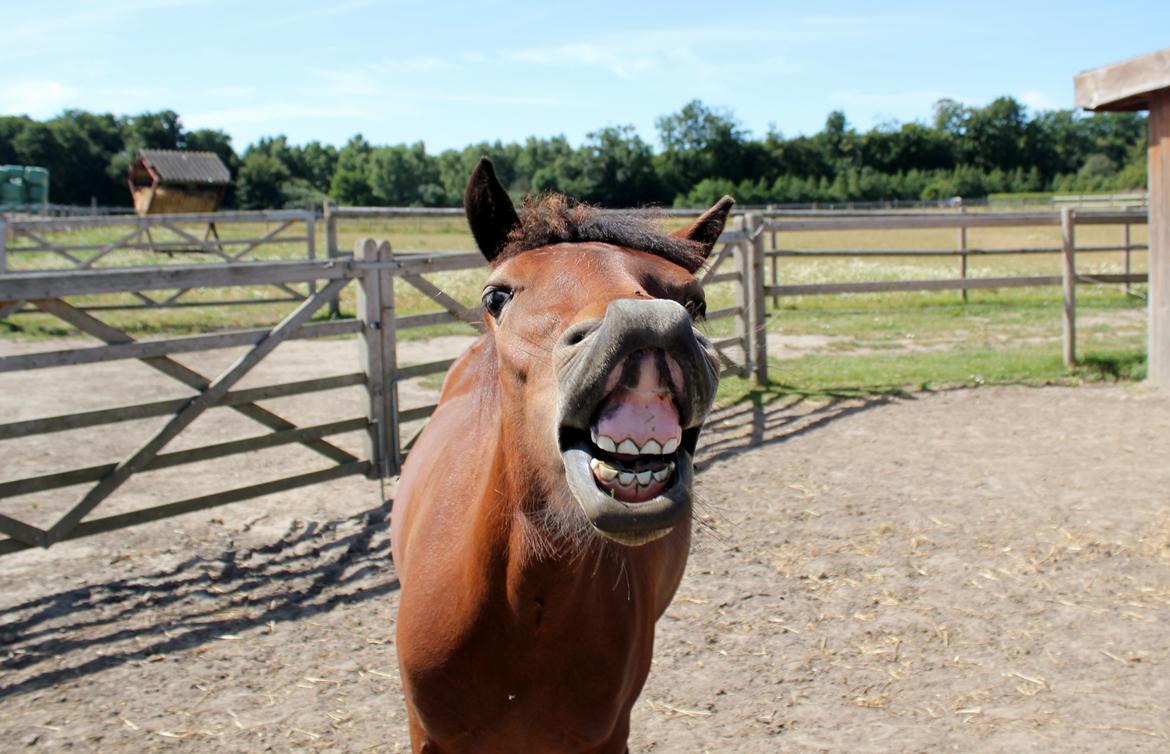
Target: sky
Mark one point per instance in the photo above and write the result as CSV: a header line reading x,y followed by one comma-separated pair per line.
x,y
451,74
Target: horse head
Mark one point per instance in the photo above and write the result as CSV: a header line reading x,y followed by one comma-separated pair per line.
x,y
604,378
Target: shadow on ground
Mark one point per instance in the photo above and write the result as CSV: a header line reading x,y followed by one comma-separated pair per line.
x,y
311,569
778,413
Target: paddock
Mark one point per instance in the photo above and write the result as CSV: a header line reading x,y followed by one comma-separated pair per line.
x,y
983,569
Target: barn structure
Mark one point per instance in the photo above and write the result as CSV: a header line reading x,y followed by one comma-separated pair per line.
x,y
167,181
1143,83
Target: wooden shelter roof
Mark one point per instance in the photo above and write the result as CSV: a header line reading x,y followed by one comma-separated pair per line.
x,y
1127,85
179,167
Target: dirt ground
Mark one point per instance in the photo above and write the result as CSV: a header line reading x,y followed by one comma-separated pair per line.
x,y
972,570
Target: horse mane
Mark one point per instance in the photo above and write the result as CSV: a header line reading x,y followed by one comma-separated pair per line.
x,y
554,218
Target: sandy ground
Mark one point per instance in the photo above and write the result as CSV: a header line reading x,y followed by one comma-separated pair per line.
x,y
974,570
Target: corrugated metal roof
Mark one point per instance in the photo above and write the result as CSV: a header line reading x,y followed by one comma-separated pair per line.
x,y
174,166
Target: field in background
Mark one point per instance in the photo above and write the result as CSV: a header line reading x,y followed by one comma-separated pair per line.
x,y
873,340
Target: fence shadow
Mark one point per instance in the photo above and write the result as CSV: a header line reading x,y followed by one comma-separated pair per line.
x,y
311,569
778,413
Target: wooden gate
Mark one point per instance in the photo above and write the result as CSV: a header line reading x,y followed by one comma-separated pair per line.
x,y
49,293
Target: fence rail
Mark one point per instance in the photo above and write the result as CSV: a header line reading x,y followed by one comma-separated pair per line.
x,y
69,242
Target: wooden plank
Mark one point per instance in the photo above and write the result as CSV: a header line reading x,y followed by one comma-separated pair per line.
x,y
267,238
914,285
413,414
379,413
60,283
42,225
1068,269
419,370
731,311
71,477
183,374
468,315
743,302
727,250
1128,85
726,277
21,532
194,408
98,417
969,220
756,312
3,246
1158,332
203,502
153,348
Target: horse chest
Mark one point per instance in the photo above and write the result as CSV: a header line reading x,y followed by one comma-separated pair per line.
x,y
565,664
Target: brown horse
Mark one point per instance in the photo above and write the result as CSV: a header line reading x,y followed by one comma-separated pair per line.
x,y
542,521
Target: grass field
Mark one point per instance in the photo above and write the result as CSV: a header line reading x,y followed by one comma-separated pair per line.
x,y
848,342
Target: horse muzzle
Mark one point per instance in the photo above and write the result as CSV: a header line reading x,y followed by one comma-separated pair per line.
x,y
633,391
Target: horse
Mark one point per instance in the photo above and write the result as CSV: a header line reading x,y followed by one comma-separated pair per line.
x,y
542,520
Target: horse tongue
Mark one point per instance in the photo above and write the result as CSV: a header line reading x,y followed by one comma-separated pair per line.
x,y
638,415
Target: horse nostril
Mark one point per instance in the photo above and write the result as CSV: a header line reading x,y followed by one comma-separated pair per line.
x,y
579,332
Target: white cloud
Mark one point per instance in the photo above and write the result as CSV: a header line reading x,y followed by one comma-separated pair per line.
x,y
1037,100
37,99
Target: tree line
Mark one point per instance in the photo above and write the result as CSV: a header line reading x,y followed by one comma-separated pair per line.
x,y
704,153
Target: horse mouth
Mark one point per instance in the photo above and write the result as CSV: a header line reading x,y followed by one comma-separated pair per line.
x,y
631,470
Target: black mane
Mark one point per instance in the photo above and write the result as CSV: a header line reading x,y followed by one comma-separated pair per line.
x,y
553,219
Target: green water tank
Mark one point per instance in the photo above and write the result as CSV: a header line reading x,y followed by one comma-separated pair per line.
x,y
36,185
11,184
24,185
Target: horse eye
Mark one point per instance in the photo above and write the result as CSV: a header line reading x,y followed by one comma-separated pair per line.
x,y
494,300
697,308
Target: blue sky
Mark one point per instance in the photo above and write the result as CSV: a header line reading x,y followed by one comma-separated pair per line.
x,y
450,74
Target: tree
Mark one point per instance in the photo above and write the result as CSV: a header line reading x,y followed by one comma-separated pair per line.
x,y
698,143
261,181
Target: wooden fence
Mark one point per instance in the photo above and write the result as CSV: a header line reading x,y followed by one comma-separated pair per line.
x,y
36,244
1066,218
739,259
49,292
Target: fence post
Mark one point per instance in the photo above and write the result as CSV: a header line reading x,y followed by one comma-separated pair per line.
x,y
381,446
1126,242
743,328
331,251
311,242
963,253
1069,284
757,315
3,246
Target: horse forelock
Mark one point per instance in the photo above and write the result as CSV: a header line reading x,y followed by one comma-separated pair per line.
x,y
555,219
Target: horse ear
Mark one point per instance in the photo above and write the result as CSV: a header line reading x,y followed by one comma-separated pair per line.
x,y
489,209
706,230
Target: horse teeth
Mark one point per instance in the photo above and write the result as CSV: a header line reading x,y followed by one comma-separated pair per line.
x,y
651,448
605,443
670,446
626,478
603,470
644,477
662,474
628,447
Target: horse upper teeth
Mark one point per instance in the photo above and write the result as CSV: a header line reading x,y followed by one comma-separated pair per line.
x,y
628,447
605,444
670,446
651,448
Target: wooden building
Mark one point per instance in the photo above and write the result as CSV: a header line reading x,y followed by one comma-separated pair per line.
x,y
1143,83
166,181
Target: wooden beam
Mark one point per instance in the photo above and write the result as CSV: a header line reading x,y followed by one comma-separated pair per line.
x,y
1158,372
1068,270
1128,85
